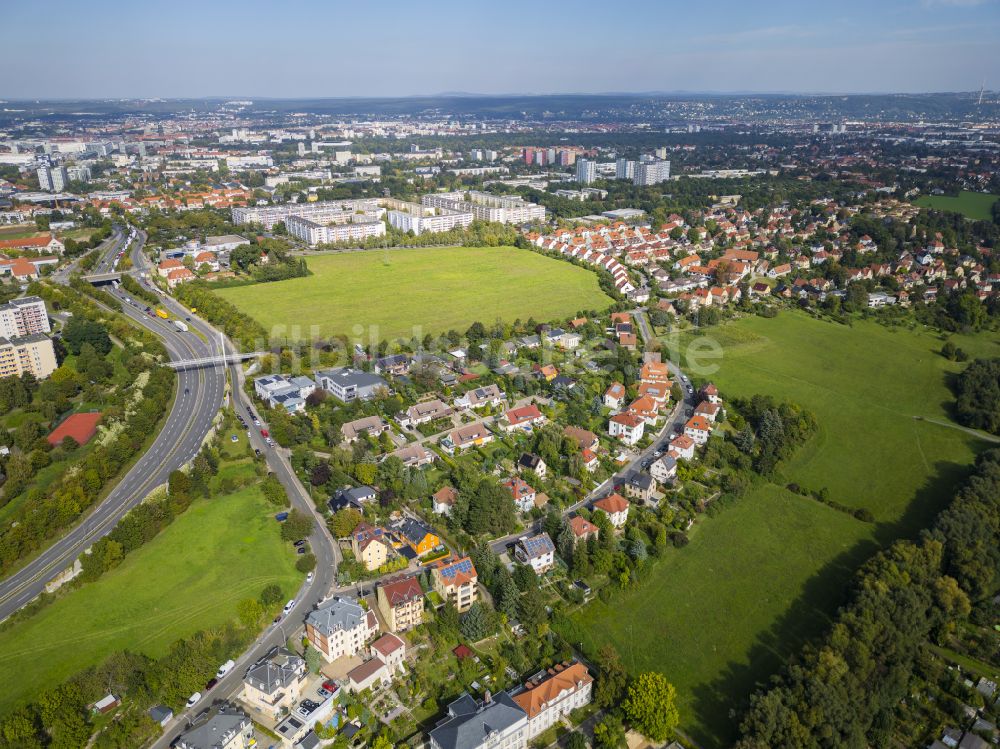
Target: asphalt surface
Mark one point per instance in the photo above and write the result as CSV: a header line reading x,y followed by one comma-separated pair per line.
x,y
198,398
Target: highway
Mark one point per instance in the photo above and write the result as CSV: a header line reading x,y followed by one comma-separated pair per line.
x,y
198,398
321,542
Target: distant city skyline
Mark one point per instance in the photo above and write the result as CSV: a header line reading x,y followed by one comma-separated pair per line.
x,y
311,48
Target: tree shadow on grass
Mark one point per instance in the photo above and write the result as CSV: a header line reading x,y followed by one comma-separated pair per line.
x,y
718,706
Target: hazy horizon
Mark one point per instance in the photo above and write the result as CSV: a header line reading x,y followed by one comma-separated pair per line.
x,y
109,49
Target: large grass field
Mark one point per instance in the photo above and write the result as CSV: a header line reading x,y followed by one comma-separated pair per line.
x,y
757,581
726,610
974,205
384,295
190,577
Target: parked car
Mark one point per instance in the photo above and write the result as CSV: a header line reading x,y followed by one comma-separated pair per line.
x,y
330,686
257,451
300,542
309,577
211,683
288,606
225,668
264,434
281,517
301,550
193,700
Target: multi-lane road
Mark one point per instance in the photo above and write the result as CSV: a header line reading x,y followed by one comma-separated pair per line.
x,y
199,395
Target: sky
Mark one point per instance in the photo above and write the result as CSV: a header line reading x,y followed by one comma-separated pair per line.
x,y
330,48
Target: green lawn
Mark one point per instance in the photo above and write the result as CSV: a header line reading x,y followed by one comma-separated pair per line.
x,y
974,205
20,231
728,608
381,295
723,613
188,578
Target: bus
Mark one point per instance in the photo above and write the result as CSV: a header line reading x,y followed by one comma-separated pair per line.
x,y
162,314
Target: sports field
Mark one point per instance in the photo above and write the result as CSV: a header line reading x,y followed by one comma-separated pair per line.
x,y
190,577
974,205
384,295
761,578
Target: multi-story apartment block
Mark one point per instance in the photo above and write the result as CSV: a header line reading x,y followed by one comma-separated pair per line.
x,y
424,218
334,226
340,627
456,582
32,353
651,172
553,694
503,209
401,602
269,215
586,171
25,316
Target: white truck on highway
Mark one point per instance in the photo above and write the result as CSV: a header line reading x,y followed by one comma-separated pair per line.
x,y
181,326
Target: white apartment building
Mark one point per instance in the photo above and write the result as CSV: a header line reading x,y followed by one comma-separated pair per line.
x,y
22,317
586,171
651,172
341,227
420,218
503,209
624,169
269,215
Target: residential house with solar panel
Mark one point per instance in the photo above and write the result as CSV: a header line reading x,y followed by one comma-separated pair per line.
x,y
538,552
456,582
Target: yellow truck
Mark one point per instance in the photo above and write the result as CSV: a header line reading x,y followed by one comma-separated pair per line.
x,y
162,314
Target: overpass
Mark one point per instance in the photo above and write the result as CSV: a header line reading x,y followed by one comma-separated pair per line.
x,y
212,361
102,279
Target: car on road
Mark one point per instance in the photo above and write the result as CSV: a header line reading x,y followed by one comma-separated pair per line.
x,y
211,683
309,577
288,606
264,434
257,451
270,442
193,700
690,389
256,422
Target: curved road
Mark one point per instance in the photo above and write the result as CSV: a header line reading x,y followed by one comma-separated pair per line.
x,y
199,396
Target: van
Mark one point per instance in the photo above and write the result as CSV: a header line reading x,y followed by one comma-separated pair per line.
x,y
225,668
194,699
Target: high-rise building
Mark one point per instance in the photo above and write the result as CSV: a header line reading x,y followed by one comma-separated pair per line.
x,y
624,169
586,171
32,353
25,316
651,172
52,178
78,173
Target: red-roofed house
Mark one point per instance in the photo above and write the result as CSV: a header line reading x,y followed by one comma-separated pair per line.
x,y
616,507
628,427
547,700
179,276
698,429
614,396
456,582
524,417
583,529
